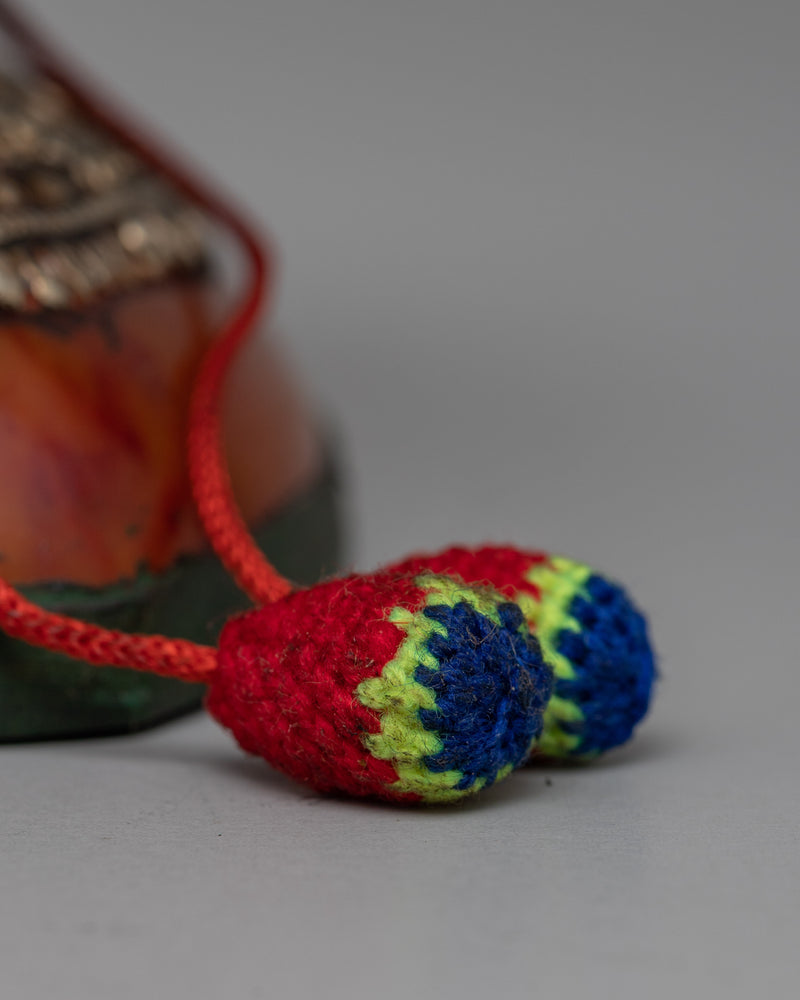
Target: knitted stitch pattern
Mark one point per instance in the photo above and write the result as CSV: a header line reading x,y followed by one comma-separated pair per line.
x,y
408,689
590,632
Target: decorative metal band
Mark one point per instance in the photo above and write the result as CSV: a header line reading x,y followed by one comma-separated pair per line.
x,y
81,217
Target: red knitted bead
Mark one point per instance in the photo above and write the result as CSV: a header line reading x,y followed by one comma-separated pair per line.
x,y
395,687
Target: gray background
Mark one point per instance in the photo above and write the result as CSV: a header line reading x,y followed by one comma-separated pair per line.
x,y
540,264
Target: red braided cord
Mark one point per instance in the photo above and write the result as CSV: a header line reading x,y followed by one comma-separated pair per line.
x,y
211,486
21,619
211,483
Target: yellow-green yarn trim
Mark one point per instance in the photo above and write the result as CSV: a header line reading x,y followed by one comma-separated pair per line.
x,y
559,581
398,696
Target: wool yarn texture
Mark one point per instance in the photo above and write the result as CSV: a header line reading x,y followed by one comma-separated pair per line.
x,y
406,688
590,631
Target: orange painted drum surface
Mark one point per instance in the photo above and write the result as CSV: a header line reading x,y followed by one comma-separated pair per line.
x,y
93,413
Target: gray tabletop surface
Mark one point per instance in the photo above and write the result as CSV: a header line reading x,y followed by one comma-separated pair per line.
x,y
540,269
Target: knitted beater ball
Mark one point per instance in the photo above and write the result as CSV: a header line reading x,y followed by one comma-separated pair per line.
x,y
590,631
408,689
